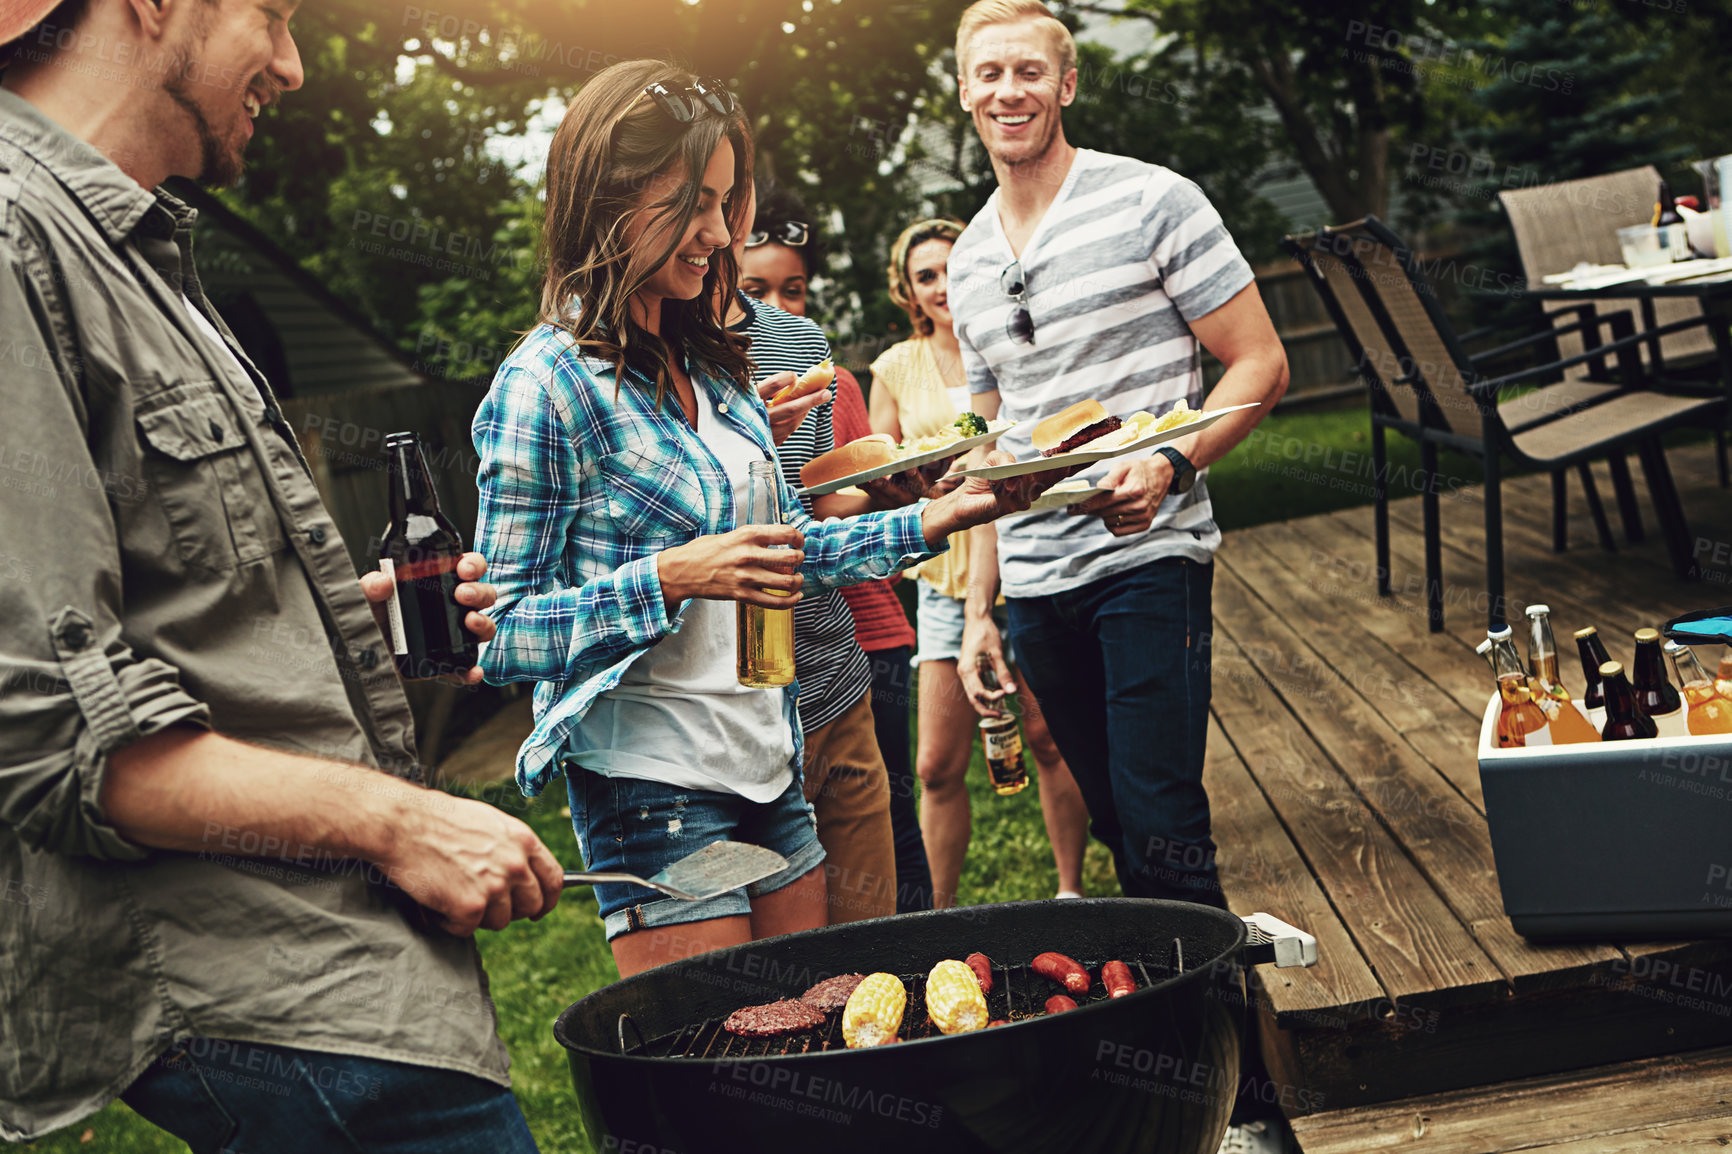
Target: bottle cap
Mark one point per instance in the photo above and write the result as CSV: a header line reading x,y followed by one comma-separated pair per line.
x,y
1498,634
1611,669
1586,631
1671,646
1539,610
1482,647
1643,636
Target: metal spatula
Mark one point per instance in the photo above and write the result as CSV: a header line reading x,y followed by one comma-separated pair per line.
x,y
717,868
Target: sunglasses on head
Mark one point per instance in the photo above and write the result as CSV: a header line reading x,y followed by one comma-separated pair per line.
x,y
794,233
1014,285
683,104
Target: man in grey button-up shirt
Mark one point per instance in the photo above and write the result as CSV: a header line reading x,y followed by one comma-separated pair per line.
x,y
209,843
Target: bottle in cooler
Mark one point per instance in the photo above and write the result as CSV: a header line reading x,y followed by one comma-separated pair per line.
x,y
419,553
1568,725
1707,709
1593,654
765,636
1625,720
1654,691
1521,722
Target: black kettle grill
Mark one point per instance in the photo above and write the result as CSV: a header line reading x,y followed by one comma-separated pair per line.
x,y
1154,1071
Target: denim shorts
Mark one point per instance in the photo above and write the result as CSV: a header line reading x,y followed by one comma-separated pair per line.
x,y
938,625
641,827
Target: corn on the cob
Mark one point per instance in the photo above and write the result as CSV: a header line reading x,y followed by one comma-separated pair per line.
x,y
953,998
873,1014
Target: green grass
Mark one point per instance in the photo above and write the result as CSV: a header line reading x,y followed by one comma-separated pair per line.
x,y
1317,461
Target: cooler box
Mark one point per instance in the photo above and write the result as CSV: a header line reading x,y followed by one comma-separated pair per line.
x,y
1621,839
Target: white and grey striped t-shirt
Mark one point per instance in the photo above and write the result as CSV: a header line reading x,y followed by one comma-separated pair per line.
x,y
1126,255
833,671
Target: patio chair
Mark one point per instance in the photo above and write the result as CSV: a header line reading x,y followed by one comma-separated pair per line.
x,y
1558,225
1398,407
1455,405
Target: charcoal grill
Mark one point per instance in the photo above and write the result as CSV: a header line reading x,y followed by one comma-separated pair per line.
x,y
1153,1071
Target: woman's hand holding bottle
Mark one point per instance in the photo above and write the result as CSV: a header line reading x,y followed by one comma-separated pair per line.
x,y
755,564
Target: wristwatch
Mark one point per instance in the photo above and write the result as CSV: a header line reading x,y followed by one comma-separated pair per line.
x,y
1184,473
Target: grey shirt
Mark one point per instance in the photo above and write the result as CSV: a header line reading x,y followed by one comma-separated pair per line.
x,y
165,560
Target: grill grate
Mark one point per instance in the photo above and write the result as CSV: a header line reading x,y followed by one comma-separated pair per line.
x,y
1018,994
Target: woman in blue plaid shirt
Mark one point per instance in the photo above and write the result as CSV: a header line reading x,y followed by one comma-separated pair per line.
x,y
612,443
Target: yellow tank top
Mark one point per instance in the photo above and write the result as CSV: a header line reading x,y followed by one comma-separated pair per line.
x,y
925,405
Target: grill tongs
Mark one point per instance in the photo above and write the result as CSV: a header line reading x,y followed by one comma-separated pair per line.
x,y
717,868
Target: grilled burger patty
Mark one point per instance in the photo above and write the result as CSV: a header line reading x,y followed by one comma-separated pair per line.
x,y
832,993
785,1017
1084,435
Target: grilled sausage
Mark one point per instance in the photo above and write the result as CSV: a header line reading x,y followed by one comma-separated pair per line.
x,y
1116,977
1058,1004
1062,969
982,967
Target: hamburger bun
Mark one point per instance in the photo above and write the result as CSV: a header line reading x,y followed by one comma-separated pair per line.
x,y
817,377
869,452
1056,430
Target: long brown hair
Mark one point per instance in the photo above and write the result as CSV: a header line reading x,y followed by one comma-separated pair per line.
x,y
612,142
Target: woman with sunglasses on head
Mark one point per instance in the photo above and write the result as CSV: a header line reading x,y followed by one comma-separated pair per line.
x,y
850,652
918,389
614,443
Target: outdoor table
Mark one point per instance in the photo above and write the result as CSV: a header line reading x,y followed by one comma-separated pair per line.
x,y
1713,291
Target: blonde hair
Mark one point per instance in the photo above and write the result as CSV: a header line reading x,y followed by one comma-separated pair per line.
x,y
901,287
982,13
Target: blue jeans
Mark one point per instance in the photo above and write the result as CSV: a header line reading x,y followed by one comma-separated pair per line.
x,y
892,689
1121,668
223,1097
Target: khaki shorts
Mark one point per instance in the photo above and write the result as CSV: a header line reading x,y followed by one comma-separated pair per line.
x,y
848,786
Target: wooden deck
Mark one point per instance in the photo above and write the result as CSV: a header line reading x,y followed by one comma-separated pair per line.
x,y
1346,795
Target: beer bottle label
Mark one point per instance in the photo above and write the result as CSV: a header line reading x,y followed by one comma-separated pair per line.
x,y
394,608
1003,745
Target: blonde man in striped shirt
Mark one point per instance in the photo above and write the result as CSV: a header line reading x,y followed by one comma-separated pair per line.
x,y
1087,275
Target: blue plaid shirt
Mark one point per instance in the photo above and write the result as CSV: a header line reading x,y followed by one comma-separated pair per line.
x,y
581,487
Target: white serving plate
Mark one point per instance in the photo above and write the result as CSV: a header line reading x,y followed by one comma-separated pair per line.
x,y
1080,457
1071,492
994,430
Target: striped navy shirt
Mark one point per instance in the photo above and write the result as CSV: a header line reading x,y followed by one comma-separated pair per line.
x,y
832,669
1126,256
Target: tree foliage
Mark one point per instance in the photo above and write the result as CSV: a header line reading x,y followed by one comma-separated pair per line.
x,y
404,173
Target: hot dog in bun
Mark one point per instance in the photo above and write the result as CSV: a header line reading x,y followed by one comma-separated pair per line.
x,y
854,457
817,377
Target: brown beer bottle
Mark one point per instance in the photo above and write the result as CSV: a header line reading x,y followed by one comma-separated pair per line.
x,y
1624,717
1593,654
1654,692
419,552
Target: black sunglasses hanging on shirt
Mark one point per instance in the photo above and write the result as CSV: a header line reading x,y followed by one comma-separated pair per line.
x,y
1014,285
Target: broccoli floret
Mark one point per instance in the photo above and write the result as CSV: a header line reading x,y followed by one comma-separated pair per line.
x,y
971,424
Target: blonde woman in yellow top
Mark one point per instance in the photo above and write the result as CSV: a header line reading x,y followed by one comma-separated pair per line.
x,y
918,389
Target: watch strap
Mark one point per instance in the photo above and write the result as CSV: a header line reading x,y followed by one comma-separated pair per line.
x,y
1184,473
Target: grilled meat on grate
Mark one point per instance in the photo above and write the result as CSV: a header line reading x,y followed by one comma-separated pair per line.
x,y
832,993
785,1017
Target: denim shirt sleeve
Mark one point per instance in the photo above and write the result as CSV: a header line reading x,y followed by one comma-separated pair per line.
x,y
529,480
